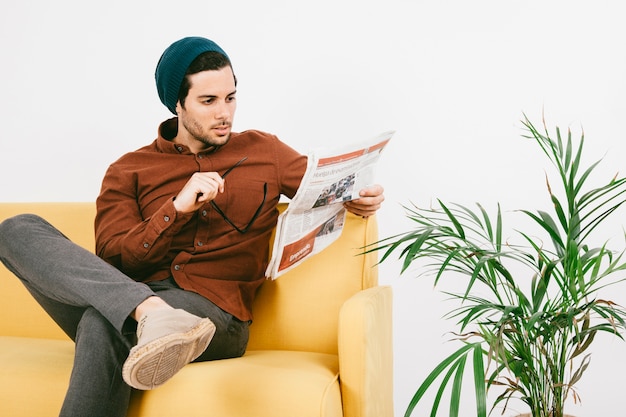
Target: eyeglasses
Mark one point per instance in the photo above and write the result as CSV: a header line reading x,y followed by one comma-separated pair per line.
x,y
256,213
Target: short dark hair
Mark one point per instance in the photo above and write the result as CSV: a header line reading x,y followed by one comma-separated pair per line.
x,y
207,61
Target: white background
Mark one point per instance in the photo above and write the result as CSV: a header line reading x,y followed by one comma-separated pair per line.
x,y
453,78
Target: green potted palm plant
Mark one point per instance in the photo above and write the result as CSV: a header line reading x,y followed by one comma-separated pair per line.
x,y
526,312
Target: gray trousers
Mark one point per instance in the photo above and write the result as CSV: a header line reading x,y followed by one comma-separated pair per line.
x,y
91,301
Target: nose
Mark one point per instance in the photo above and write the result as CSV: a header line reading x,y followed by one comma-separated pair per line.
x,y
223,111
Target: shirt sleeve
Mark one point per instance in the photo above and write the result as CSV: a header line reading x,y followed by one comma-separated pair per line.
x,y
123,237
291,168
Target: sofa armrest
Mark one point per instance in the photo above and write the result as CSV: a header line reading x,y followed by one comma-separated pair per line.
x,y
365,353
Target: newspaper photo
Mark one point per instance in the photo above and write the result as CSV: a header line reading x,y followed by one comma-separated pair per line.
x,y
315,216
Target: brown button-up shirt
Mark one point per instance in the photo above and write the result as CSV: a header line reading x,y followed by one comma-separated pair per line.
x,y
139,231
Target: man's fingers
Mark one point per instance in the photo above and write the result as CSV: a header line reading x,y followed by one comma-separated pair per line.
x,y
372,191
201,187
370,201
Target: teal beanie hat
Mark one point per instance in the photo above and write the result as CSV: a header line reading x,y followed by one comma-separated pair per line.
x,y
173,64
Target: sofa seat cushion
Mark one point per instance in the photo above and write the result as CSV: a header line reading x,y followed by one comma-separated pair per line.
x,y
268,383
35,375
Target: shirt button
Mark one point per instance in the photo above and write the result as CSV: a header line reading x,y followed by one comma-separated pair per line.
x,y
204,213
177,267
200,243
179,148
200,156
166,218
145,245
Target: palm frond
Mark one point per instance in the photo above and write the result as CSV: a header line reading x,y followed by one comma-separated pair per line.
x,y
534,307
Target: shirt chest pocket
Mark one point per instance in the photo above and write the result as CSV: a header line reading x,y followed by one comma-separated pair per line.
x,y
241,203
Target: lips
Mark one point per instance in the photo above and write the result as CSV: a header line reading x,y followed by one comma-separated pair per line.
x,y
222,129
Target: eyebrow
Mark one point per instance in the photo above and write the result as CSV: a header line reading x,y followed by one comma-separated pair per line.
x,y
214,96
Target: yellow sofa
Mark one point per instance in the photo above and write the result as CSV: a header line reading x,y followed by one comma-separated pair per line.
x,y
320,345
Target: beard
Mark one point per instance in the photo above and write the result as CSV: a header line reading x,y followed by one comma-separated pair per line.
x,y
213,140
206,135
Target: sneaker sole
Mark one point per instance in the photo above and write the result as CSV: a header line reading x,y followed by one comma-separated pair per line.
x,y
152,364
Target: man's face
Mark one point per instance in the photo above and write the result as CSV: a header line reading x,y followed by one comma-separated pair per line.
x,y
207,117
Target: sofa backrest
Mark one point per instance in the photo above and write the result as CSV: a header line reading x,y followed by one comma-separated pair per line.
x,y
297,311
300,309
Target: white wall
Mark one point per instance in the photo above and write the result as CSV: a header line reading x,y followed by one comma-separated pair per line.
x,y
452,77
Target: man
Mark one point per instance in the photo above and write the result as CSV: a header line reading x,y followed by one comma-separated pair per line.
x,y
188,218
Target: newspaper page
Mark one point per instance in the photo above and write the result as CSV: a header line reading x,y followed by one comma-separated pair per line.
x,y
315,216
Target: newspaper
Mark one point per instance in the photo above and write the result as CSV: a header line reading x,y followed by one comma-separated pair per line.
x,y
315,216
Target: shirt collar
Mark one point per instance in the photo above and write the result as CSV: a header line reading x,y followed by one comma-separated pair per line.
x,y
167,132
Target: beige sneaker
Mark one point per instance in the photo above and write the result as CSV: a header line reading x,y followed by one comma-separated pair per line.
x,y
167,341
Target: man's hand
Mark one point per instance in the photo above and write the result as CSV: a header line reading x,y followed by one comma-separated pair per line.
x,y
201,187
371,198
